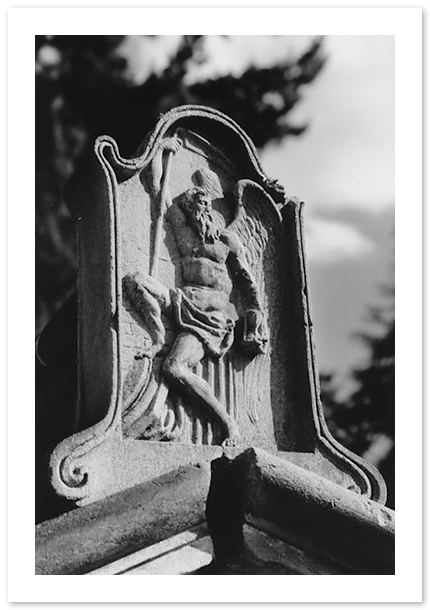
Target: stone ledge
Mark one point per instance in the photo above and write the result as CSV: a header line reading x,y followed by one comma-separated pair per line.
x,y
92,536
183,553
311,512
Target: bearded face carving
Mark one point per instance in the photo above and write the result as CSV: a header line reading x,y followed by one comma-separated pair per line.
x,y
197,206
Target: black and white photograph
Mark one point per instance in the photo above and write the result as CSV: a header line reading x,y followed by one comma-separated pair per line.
x,y
216,290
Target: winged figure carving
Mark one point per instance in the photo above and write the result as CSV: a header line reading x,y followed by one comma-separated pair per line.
x,y
218,345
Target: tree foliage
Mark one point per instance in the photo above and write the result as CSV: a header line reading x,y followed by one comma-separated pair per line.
x,y
365,421
83,91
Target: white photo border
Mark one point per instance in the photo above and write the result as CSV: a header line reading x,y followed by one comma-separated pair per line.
x,y
403,23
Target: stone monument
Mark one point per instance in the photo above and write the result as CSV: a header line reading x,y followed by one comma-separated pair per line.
x,y
194,331
194,328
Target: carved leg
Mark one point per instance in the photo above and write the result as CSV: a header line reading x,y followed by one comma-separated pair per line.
x,y
148,298
142,281
186,352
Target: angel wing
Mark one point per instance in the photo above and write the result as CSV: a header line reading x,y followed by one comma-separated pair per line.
x,y
256,224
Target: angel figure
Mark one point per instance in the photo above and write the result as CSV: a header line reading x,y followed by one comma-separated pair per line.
x,y
213,262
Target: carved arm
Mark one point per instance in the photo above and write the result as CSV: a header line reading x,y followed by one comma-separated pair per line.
x,y
255,334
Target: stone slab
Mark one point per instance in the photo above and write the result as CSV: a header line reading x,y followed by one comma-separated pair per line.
x,y
191,552
314,514
180,554
92,536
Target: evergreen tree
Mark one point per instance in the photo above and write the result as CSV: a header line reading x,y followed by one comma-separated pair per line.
x,y
365,421
83,90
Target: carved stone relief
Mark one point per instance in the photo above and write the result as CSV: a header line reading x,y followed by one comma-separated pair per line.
x,y
206,332
195,334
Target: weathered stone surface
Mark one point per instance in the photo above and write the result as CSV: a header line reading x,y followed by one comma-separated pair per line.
x,y
184,553
266,551
194,329
191,552
93,536
331,526
265,516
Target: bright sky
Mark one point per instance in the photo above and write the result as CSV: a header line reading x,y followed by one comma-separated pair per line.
x,y
342,167
346,158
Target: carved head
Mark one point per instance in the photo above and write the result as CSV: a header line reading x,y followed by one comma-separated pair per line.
x,y
197,200
197,205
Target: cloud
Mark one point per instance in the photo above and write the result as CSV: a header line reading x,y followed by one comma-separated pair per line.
x,y
346,157
147,54
234,54
329,242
